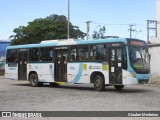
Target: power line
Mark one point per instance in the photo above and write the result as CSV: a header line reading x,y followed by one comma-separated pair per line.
x,y
130,25
107,24
131,30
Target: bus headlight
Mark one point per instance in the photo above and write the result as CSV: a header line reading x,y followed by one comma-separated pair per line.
x,y
132,74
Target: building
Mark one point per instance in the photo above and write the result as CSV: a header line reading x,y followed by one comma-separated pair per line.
x,y
154,51
3,45
158,18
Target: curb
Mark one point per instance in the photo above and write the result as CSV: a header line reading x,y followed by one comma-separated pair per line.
x,y
153,84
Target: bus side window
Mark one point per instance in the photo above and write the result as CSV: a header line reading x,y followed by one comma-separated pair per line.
x,y
73,58
124,59
113,55
64,59
83,53
92,53
101,52
97,52
46,54
73,53
12,56
34,54
119,55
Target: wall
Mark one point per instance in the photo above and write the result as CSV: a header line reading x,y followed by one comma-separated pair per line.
x,y
158,18
154,51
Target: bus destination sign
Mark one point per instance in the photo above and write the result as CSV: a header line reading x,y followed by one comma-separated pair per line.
x,y
139,43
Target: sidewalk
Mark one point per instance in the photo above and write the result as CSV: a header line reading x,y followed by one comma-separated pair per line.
x,y
155,80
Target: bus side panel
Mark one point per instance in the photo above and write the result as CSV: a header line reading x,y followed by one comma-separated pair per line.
x,y
76,73
81,72
11,71
128,79
45,71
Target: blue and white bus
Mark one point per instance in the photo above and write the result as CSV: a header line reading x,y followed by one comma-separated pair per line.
x,y
103,62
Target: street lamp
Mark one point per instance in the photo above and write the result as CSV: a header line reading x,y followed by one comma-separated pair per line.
x,y
97,27
137,33
88,28
68,18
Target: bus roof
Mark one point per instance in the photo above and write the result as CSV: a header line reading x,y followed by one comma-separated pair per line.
x,y
66,42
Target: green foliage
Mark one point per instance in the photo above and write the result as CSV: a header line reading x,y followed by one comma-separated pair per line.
x,y
100,33
49,28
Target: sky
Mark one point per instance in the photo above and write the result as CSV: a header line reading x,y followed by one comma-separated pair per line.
x,y
115,15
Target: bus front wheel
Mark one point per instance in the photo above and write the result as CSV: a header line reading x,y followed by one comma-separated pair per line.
x,y
119,87
99,84
34,80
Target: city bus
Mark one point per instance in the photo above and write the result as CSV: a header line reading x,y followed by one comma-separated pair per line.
x,y
103,62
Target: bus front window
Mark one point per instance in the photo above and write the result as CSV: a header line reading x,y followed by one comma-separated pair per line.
x,y
139,59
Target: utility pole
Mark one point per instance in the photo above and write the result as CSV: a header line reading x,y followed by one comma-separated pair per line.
x,y
68,19
131,30
149,22
88,28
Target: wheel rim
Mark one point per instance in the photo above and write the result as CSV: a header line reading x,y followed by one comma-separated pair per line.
x,y
33,80
97,83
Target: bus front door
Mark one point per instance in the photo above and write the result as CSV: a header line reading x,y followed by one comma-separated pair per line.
x,y
22,65
115,65
61,65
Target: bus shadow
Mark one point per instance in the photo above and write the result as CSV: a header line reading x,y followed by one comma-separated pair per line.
x,y
107,89
22,84
77,88
90,88
123,91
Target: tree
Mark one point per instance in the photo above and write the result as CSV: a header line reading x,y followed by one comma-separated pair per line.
x,y
100,33
49,28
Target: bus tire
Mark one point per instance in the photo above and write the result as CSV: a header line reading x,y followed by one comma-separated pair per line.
x,y
119,87
99,84
33,79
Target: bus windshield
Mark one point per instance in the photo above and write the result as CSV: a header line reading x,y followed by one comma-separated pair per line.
x,y
139,59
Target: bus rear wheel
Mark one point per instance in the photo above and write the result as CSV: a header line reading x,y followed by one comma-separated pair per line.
x,y
119,87
99,84
33,79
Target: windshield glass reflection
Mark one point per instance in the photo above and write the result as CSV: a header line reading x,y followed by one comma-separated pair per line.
x,y
139,59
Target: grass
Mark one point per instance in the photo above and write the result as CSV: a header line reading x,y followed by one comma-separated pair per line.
x,y
2,72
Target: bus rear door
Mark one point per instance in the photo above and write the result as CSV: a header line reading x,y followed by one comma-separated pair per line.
x,y
60,65
115,65
22,64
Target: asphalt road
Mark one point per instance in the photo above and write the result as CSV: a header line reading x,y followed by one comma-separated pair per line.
x,y
19,96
